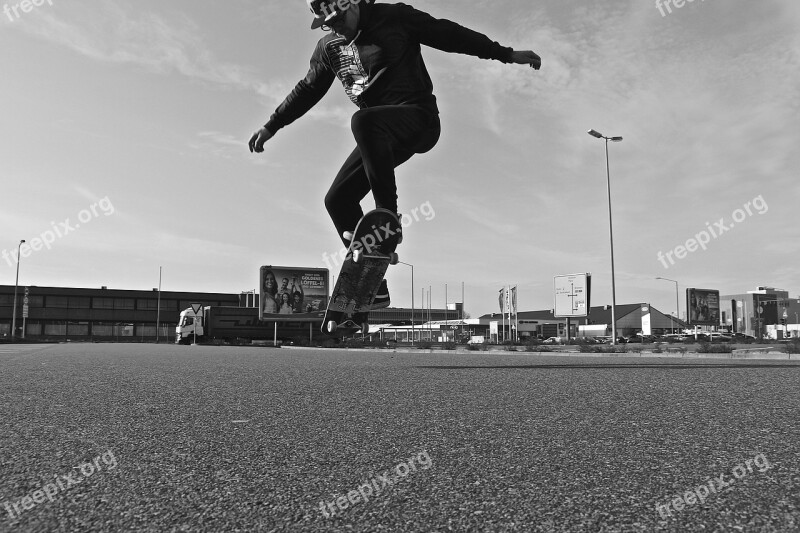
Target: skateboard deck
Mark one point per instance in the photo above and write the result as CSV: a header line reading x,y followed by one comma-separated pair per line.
x,y
370,253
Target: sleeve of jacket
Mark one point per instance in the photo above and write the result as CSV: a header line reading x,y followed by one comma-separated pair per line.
x,y
447,36
305,94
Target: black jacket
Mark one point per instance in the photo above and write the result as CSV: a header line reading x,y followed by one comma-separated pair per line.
x,y
383,65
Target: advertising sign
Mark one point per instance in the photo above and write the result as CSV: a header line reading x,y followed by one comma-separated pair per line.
x,y
572,294
646,322
293,294
703,307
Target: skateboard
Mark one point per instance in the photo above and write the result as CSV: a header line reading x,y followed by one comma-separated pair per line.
x,y
369,255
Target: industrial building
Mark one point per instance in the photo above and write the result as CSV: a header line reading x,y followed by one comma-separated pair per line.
x,y
97,314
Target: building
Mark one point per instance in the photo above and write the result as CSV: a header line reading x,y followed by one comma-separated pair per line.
x,y
64,313
631,319
759,312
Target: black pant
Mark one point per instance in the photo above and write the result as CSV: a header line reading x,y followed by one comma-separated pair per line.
x,y
386,137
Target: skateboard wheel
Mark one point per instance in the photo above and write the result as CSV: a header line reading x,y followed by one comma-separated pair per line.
x,y
394,258
358,255
332,325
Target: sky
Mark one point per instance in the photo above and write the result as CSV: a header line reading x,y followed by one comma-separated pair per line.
x,y
124,129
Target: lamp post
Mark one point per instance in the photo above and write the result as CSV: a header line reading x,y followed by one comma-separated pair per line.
x,y
599,135
16,284
412,299
677,300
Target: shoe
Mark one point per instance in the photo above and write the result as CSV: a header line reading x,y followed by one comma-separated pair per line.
x,y
381,298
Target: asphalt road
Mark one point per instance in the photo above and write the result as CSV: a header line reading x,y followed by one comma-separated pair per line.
x,y
111,437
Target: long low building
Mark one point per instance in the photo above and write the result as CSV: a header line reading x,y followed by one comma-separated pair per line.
x,y
71,313
630,319
534,324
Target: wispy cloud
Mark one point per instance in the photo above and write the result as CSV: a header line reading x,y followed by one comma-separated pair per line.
x,y
115,33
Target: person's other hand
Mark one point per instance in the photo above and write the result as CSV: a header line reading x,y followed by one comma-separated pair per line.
x,y
258,139
527,57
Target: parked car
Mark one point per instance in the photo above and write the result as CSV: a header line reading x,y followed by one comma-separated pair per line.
x,y
553,340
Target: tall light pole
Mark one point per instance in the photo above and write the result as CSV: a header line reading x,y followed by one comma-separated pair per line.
x,y
599,135
677,301
412,299
16,283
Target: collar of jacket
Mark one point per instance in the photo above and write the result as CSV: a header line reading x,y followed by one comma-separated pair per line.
x,y
364,14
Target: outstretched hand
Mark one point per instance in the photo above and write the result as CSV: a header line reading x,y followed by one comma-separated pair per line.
x,y
258,139
526,57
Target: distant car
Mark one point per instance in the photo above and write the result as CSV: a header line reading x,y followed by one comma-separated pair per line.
x,y
742,337
720,337
638,337
553,340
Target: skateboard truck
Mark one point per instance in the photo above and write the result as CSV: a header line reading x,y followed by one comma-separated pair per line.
x,y
332,326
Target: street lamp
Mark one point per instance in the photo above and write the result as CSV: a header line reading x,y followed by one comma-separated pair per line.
x,y
599,135
16,283
677,300
412,299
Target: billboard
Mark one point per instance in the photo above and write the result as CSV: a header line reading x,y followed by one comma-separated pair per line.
x,y
702,307
292,294
572,294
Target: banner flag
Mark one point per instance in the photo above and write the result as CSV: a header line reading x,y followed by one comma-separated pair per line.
x,y
514,298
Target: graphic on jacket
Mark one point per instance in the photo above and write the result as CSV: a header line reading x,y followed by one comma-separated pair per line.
x,y
348,67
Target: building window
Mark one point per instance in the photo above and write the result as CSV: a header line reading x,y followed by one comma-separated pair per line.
x,y
146,304
103,303
124,303
78,329
79,302
58,328
102,329
61,302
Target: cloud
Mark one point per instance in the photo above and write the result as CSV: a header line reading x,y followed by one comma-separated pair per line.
x,y
112,33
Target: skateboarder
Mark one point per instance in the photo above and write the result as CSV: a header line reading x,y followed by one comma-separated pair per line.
x,y
374,50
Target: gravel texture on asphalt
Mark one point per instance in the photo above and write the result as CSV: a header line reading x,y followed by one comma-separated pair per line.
x,y
200,438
